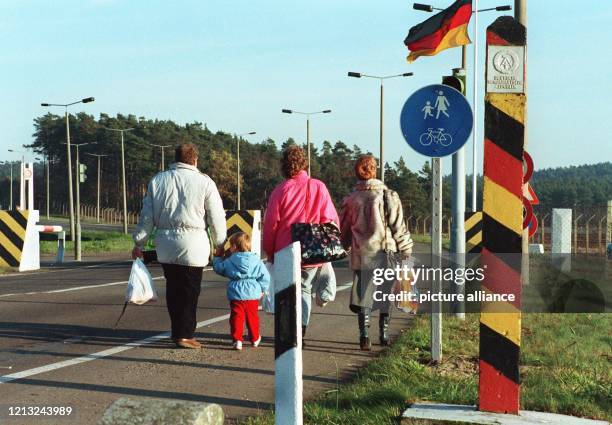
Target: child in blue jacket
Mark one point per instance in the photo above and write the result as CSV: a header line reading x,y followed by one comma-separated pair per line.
x,y
249,279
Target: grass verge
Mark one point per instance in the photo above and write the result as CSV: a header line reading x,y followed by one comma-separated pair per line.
x,y
565,368
93,242
427,240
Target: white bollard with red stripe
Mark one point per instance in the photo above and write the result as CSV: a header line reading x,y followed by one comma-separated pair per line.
x,y
61,239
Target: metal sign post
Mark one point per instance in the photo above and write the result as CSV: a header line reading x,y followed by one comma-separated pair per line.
x,y
436,121
436,257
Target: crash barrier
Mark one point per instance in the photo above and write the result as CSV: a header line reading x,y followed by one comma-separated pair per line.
x,y
286,275
247,221
61,239
502,227
19,242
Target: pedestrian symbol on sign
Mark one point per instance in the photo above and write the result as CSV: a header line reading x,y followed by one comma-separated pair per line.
x,y
429,125
442,104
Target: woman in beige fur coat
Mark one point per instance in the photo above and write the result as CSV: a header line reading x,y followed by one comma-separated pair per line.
x,y
372,221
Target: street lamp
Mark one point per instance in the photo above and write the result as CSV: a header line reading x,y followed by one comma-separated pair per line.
x,y
308,114
163,160
429,8
77,227
123,130
238,165
381,78
98,194
69,160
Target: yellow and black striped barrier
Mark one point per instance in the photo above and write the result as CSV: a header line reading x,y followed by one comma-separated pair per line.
x,y
247,221
13,225
473,232
19,242
502,224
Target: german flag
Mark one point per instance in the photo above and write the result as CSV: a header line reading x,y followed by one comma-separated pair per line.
x,y
442,31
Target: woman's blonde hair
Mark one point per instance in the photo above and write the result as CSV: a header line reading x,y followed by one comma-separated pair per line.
x,y
240,241
365,167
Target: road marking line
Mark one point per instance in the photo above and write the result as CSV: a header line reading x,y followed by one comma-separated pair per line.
x,y
59,269
112,351
78,288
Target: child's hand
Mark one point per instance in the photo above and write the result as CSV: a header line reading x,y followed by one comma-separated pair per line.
x,y
262,295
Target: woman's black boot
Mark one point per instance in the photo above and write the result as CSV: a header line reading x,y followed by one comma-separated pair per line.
x,y
364,326
383,327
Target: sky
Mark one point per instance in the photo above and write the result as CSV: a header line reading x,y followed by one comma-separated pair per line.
x,y
235,65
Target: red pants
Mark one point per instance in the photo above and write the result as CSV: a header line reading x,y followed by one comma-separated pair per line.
x,y
241,310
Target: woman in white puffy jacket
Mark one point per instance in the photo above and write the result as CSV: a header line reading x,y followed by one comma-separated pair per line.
x,y
183,205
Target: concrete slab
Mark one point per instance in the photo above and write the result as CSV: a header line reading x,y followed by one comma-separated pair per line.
x,y
442,413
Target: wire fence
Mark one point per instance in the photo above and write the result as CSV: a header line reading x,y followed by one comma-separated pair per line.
x,y
90,213
591,228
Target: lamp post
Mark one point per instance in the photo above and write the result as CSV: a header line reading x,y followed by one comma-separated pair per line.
x,y
238,166
11,189
98,189
21,182
69,160
382,79
123,130
163,158
308,114
77,227
429,8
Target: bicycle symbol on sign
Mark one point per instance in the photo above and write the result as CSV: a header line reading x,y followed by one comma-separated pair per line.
x,y
436,136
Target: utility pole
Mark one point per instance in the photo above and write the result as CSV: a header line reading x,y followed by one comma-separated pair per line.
x,y
48,165
77,225
238,189
11,189
98,191
162,166
457,236
123,130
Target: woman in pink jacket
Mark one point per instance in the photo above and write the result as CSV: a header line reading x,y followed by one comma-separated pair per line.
x,y
287,205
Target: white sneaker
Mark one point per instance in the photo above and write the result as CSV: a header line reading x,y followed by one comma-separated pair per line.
x,y
256,342
237,345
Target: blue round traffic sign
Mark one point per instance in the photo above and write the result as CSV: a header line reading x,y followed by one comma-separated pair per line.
x,y
436,120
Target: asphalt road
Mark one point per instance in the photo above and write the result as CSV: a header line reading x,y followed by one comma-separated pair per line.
x,y
58,346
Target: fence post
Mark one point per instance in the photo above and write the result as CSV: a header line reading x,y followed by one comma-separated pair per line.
x,y
600,246
416,227
425,224
576,233
587,232
542,230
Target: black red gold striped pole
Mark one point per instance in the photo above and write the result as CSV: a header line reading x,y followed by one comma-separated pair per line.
x,y
502,221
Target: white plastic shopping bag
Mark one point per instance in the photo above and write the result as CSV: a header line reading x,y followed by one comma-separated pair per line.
x,y
324,285
140,287
268,300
